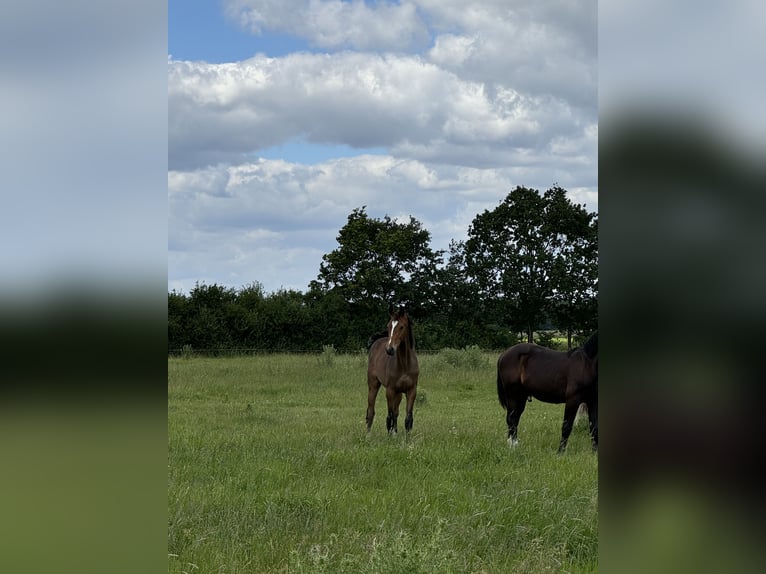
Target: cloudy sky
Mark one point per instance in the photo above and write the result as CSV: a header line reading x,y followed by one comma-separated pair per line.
x,y
285,115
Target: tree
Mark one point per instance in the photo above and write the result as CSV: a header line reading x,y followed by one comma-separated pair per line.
x,y
574,300
378,262
527,252
456,318
177,319
210,316
286,322
506,258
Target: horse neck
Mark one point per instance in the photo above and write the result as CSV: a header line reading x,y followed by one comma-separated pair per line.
x,y
589,363
590,347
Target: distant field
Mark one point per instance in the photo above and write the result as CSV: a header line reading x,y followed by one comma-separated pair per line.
x,y
270,470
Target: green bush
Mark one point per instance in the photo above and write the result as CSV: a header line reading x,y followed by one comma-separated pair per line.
x,y
328,355
546,339
470,357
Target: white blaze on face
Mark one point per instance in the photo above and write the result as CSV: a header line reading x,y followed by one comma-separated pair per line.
x,y
391,335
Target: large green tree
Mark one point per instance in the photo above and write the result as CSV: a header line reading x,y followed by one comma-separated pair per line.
x,y
524,256
573,304
378,262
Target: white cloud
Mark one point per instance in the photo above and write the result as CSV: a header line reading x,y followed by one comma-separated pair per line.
x,y
537,47
218,112
335,24
451,50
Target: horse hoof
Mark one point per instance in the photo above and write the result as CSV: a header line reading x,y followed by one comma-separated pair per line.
x,y
513,443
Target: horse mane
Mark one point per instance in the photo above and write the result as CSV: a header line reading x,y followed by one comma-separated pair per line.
x,y
591,346
410,335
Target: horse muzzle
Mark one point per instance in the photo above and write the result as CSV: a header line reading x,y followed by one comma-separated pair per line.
x,y
390,350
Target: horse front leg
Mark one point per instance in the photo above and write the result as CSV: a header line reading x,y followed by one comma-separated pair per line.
x,y
411,394
373,386
394,399
570,411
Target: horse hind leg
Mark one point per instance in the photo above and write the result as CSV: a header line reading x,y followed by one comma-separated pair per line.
x,y
411,394
570,411
373,386
515,408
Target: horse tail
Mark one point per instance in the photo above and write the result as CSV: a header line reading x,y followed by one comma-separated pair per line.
x,y
500,389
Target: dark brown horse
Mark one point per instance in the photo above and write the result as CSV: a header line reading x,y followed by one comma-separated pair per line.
x,y
392,362
528,370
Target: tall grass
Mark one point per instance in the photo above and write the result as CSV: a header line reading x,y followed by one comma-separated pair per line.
x,y
271,470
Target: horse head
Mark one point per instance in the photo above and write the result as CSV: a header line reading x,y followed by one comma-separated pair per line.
x,y
399,329
590,349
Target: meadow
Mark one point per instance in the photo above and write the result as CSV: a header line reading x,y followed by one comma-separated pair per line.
x,y
270,469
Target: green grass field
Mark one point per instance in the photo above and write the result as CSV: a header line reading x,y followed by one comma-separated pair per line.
x,y
270,469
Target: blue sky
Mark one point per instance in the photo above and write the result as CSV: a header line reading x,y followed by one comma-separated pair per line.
x,y
199,30
285,115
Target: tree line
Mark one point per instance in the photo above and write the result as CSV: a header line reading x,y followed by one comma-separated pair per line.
x,y
529,264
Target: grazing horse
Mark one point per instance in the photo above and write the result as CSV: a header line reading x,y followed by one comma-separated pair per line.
x,y
526,370
392,362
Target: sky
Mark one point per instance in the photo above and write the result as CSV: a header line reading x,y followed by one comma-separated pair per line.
x,y
286,115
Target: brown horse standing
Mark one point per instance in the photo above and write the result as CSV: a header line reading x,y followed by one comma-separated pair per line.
x,y
527,370
392,362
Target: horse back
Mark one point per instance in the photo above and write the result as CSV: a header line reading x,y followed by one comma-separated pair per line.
x,y
541,372
530,358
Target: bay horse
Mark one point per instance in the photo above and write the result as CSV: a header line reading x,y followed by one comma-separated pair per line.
x,y
392,362
570,377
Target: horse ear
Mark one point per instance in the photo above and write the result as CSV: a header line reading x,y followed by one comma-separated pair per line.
x,y
390,309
